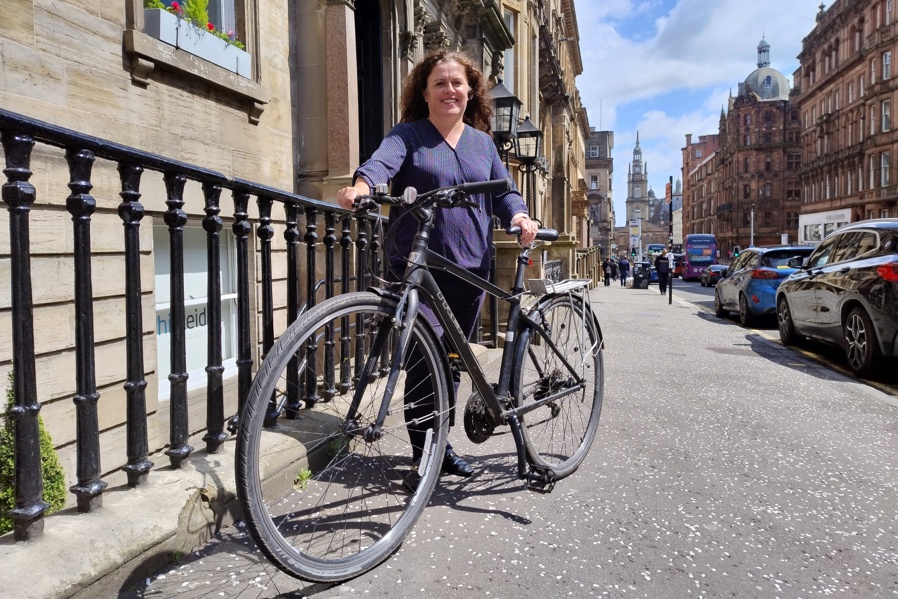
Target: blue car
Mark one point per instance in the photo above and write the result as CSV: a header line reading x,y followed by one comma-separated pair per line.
x,y
748,286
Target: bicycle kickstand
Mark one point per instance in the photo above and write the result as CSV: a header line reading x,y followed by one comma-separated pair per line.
x,y
538,479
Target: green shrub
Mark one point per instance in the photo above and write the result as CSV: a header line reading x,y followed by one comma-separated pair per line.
x,y
51,469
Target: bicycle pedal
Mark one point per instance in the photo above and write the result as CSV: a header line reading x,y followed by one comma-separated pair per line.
x,y
540,480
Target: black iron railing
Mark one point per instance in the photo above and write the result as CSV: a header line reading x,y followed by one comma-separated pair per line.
x,y
359,243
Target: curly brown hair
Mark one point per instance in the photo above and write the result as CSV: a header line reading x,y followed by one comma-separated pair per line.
x,y
414,108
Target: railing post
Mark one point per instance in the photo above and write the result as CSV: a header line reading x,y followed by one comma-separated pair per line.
x,y
266,233
242,230
291,235
361,244
19,195
330,240
345,339
215,416
176,218
311,239
131,212
81,206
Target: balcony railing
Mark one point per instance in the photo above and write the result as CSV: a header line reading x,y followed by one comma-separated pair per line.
x,y
349,249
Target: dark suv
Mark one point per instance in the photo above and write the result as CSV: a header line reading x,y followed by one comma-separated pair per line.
x,y
846,293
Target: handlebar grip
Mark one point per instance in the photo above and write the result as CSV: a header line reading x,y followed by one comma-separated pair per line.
x,y
494,186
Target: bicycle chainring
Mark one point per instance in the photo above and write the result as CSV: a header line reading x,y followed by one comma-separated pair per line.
x,y
477,425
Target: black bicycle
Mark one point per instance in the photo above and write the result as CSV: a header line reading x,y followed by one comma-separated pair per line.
x,y
326,496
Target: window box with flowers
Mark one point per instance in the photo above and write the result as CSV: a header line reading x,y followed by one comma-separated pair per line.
x,y
187,28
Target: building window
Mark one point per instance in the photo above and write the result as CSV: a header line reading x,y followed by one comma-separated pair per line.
x,y
768,82
792,221
768,116
767,188
886,120
767,162
884,169
593,151
793,161
872,71
886,65
793,191
745,165
888,11
747,120
196,306
698,153
768,138
746,192
884,213
593,181
747,140
509,55
861,87
850,93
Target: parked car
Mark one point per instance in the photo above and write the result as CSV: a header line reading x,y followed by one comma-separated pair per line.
x,y
712,274
749,284
846,294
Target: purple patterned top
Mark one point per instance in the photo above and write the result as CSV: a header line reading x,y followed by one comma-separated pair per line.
x,y
416,155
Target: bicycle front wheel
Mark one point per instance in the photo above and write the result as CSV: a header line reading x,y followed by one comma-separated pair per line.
x,y
561,386
325,496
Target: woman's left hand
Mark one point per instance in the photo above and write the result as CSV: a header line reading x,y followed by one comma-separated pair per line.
x,y
528,227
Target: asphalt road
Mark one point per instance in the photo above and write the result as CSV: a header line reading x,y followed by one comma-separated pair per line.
x,y
726,465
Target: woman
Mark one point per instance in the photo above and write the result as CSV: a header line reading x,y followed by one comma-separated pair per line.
x,y
443,139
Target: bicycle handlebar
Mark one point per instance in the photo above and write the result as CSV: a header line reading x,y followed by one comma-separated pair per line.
x,y
447,197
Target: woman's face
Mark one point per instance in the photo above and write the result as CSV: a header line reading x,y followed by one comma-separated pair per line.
x,y
447,91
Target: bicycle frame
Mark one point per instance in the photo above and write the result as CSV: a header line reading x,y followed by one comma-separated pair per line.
x,y
418,279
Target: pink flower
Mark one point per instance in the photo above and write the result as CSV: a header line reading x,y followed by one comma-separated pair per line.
x,y
176,6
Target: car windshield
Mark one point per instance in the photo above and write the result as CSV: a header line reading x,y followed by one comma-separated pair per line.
x,y
780,258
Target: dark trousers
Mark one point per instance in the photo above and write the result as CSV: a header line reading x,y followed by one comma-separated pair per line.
x,y
623,278
662,281
465,302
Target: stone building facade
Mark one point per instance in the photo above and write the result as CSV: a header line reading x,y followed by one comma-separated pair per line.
x,y
847,83
694,154
757,197
599,170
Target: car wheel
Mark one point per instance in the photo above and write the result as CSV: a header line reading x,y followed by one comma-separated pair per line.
x,y
719,312
784,319
745,315
861,346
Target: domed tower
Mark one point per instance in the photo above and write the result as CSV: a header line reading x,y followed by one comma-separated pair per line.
x,y
758,191
637,185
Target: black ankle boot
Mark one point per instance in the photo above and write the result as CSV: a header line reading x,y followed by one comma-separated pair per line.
x,y
452,464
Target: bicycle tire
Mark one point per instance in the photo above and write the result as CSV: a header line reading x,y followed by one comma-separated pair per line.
x,y
323,503
559,434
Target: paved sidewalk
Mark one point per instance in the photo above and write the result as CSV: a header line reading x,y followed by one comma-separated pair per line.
x,y
122,548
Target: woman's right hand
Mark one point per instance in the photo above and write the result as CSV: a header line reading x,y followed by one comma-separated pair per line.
x,y
346,196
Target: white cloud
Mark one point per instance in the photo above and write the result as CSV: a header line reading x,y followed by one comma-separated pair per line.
x,y
635,53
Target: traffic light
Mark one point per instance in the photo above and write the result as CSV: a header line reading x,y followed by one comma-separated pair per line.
x,y
735,251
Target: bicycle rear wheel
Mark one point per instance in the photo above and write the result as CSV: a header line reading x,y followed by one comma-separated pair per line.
x,y
324,495
559,432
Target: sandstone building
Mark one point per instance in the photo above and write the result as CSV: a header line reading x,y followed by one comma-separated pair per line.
x,y
846,83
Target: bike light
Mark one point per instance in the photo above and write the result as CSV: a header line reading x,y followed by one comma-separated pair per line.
x,y
888,272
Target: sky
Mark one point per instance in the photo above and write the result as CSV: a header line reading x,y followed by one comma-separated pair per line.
x,y
665,68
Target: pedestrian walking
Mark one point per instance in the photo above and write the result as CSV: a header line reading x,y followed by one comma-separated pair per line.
x,y
606,268
662,266
624,269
